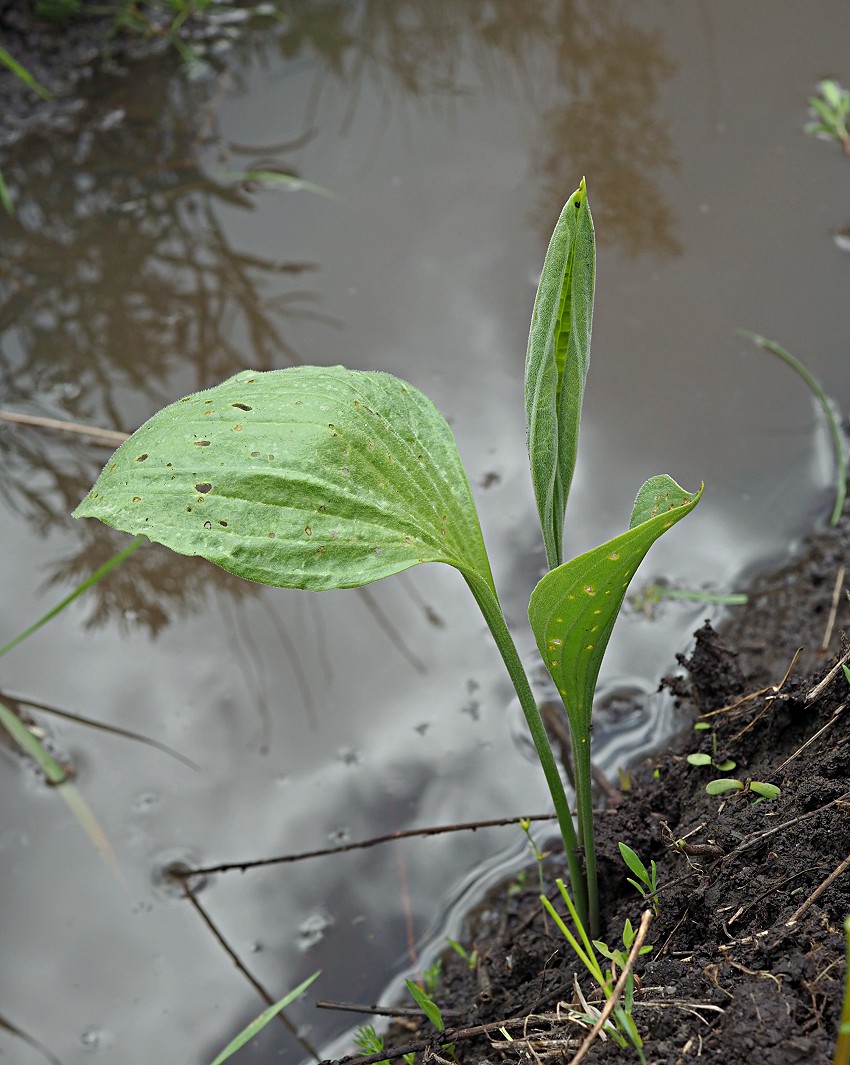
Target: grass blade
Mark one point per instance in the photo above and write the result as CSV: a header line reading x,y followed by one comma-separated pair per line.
x,y
826,407
21,72
101,571
260,1022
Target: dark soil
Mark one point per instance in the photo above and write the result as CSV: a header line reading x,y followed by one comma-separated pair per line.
x,y
729,979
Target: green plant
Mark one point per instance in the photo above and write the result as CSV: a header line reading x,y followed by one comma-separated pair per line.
x,y
431,976
846,673
22,74
647,879
832,421
250,1030
367,1040
538,855
757,787
322,477
431,1010
841,1056
469,956
622,1030
831,109
702,758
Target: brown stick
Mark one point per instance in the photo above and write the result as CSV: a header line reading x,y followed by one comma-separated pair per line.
x,y
757,837
436,830
109,437
264,994
828,679
819,890
618,989
833,610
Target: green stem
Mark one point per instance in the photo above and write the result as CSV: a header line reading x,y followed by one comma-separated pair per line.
x,y
587,835
486,598
842,1043
101,571
829,414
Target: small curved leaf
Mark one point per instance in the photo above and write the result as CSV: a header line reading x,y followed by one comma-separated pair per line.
x,y
767,791
556,365
574,607
307,477
722,785
699,759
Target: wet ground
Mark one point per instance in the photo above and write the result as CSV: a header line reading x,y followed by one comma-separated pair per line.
x,y
143,262
748,941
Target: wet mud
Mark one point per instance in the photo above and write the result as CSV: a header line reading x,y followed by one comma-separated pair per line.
x,y
748,944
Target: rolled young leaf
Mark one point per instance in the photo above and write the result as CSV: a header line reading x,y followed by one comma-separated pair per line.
x,y
307,477
556,365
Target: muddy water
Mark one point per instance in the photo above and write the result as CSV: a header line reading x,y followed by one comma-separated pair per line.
x,y
142,265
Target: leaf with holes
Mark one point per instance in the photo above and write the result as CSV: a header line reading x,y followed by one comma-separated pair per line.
x,y
556,365
574,607
307,477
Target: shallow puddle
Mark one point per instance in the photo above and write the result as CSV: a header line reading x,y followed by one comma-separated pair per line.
x,y
145,261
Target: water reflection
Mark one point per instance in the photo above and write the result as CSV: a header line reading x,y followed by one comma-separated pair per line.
x,y
122,283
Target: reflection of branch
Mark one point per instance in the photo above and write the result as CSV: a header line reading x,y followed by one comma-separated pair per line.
x,y
107,437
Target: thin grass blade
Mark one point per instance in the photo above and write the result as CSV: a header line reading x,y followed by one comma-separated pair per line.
x,y
262,1020
825,405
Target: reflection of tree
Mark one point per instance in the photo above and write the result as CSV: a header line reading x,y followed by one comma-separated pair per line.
x,y
119,274
606,129
596,95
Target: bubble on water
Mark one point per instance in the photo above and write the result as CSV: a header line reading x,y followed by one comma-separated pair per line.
x,y
96,1039
145,802
312,929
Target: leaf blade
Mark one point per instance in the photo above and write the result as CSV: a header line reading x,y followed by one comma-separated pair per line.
x,y
574,607
250,1030
307,477
556,365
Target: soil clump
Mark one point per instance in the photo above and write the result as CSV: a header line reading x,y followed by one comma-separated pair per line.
x,y
748,959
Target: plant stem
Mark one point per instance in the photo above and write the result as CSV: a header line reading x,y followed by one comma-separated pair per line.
x,y
492,611
101,571
587,836
842,1043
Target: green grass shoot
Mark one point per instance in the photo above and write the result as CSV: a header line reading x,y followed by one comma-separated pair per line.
x,y
826,407
257,1025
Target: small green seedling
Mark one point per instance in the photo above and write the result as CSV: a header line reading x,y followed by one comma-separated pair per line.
x,y
621,1029
431,976
647,879
841,1055
321,477
431,1011
831,110
370,1042
757,787
701,758
469,956
846,673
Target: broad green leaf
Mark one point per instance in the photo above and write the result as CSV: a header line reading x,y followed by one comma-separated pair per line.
x,y
427,1005
699,759
574,607
556,365
260,1022
308,477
